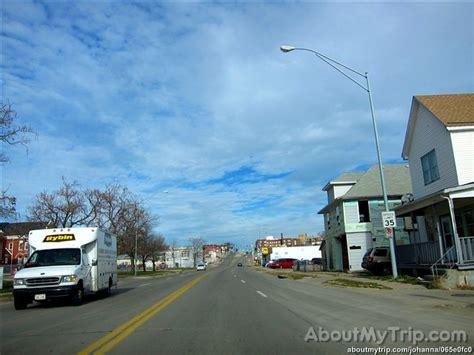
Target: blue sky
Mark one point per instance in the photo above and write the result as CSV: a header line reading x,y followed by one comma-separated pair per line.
x,y
196,99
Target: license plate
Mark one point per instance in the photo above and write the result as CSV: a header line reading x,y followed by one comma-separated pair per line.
x,y
40,297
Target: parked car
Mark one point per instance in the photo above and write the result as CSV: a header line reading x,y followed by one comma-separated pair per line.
x,y
239,264
377,260
201,267
282,263
317,261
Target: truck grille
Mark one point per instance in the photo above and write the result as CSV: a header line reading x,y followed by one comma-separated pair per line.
x,y
42,281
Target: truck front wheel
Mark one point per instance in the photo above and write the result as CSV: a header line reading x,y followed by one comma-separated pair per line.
x,y
19,303
78,296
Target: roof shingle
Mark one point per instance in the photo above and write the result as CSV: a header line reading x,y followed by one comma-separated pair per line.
x,y
451,110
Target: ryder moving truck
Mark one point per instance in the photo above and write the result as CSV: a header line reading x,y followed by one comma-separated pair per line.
x,y
66,262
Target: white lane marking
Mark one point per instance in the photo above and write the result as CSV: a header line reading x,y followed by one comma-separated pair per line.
x,y
262,294
243,281
144,285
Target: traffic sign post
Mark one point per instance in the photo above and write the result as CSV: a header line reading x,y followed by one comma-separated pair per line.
x,y
389,220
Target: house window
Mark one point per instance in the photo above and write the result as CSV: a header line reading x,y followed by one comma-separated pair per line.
x,y
338,216
429,164
328,220
364,211
10,246
465,223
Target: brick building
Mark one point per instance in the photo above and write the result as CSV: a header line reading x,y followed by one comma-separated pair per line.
x,y
14,241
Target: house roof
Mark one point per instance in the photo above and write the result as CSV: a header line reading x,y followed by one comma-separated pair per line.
x,y
397,181
368,186
451,110
344,179
22,228
456,110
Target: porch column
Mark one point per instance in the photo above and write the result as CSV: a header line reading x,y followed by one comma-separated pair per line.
x,y
440,234
457,242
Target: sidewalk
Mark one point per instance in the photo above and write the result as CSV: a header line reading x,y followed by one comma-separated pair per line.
x,y
418,294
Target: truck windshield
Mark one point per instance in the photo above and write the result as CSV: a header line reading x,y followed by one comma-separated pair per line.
x,y
54,257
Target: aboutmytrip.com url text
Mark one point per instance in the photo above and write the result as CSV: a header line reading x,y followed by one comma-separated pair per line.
x,y
411,350
407,336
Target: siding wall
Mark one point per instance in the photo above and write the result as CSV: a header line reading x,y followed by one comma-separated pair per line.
x,y
337,191
429,133
463,147
340,190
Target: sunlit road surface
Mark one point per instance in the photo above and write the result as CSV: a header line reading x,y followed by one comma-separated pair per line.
x,y
229,310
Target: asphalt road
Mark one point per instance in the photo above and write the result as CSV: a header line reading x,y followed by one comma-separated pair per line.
x,y
224,310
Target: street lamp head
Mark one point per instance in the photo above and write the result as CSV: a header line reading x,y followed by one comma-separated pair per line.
x,y
286,49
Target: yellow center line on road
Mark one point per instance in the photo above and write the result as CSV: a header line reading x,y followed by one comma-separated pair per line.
x,y
107,342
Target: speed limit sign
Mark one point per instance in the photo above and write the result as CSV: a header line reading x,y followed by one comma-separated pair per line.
x,y
389,220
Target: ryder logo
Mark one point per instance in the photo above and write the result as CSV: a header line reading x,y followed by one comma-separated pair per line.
x,y
58,238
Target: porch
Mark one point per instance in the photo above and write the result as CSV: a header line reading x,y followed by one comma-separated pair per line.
x,y
424,255
441,229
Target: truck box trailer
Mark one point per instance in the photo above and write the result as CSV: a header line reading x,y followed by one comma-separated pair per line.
x,y
296,252
66,262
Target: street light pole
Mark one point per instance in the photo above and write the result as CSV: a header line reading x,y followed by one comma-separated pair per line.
x,y
340,68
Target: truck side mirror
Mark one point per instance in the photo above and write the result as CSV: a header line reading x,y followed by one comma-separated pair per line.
x,y
94,262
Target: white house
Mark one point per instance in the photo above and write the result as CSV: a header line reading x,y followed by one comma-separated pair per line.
x,y
179,257
439,146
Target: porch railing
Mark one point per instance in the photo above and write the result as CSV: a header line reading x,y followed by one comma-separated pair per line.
x,y
448,259
467,249
425,253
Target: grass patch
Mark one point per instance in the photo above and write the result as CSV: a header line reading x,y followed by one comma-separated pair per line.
x,y
295,275
7,286
404,279
290,276
355,283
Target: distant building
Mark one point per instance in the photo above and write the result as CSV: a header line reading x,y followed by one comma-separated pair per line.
x,y
179,257
264,247
214,252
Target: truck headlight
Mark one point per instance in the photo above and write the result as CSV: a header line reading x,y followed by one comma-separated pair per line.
x,y
69,278
19,282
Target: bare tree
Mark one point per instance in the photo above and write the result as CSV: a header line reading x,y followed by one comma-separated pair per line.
x,y
114,203
157,247
197,244
67,207
136,225
114,208
11,134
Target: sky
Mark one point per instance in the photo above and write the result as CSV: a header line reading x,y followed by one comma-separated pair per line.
x,y
194,108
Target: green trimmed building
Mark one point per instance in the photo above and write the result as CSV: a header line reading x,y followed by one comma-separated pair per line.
x,y
352,217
